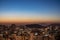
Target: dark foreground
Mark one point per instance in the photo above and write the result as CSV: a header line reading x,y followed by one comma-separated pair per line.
x,y
30,32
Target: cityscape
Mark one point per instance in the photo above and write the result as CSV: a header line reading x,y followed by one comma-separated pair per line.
x,y
30,32
29,19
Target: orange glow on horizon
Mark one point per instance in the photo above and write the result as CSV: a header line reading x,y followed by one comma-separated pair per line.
x,y
26,20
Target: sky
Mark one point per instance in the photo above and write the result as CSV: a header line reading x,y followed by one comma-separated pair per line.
x,y
29,11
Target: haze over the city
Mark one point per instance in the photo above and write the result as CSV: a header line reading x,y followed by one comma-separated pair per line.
x,y
29,11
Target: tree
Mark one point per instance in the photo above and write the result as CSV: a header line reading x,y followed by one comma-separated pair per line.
x,y
57,36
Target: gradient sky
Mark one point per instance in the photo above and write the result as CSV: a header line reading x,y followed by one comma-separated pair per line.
x,y
21,11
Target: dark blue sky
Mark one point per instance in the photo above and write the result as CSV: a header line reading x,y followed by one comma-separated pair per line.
x,y
30,9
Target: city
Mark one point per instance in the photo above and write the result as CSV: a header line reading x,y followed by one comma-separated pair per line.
x,y
29,19
30,32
